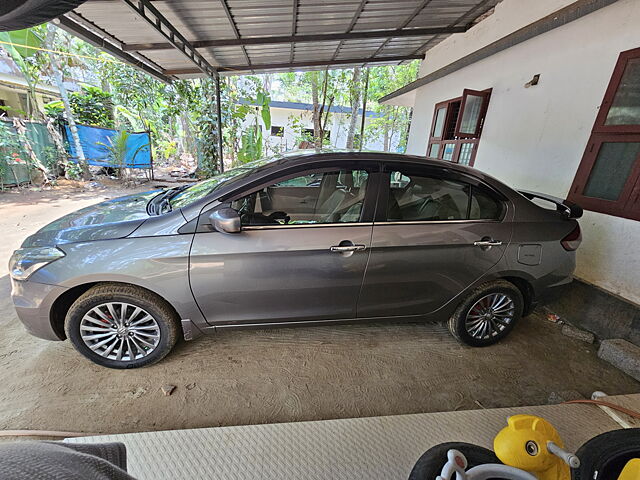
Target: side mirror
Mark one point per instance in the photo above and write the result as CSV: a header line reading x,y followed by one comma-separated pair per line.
x,y
225,220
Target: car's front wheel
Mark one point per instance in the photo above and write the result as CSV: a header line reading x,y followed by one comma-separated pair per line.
x,y
487,314
121,326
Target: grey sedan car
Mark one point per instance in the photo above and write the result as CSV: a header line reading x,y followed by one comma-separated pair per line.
x,y
302,239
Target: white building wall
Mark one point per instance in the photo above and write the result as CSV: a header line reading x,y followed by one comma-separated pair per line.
x,y
534,138
337,125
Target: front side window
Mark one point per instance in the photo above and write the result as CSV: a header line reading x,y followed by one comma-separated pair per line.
x,y
311,198
424,198
608,178
186,195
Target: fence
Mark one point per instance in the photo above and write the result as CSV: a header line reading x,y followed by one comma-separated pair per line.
x,y
15,164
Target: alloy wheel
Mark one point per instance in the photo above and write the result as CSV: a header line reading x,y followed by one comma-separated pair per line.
x,y
490,315
120,331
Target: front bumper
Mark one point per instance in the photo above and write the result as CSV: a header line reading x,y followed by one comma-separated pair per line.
x,y
33,302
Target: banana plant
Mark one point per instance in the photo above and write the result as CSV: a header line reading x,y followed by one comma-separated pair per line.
x,y
252,139
23,48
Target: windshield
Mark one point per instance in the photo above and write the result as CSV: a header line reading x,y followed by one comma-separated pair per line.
x,y
202,189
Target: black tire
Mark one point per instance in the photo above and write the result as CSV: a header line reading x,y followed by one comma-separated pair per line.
x,y
19,14
605,456
457,322
157,307
430,464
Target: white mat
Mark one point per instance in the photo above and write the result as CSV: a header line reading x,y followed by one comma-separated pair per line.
x,y
359,448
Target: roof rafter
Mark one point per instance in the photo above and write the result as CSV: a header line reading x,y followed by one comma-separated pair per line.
x,y
294,28
312,38
74,24
413,15
274,66
168,31
234,27
354,20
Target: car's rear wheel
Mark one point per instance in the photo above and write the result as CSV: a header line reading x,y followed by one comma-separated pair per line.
x,y
121,326
487,314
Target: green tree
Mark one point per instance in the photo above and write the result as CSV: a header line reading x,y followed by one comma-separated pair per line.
x,y
30,61
395,120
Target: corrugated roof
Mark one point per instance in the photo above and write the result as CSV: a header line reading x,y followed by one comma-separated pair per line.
x,y
190,38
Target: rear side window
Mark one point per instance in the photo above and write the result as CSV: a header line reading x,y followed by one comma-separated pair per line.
x,y
423,198
484,205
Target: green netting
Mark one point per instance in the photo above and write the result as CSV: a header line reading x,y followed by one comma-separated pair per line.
x,y
41,142
18,171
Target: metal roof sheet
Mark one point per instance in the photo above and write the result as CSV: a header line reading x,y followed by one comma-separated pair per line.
x,y
187,38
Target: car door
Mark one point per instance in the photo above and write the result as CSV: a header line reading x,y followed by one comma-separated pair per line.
x,y
435,234
289,263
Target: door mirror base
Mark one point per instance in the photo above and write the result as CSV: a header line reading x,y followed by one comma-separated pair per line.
x,y
225,220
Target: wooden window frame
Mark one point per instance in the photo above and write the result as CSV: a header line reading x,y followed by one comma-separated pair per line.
x,y
628,203
458,139
466,93
618,71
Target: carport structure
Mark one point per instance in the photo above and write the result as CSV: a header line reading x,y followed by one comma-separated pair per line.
x,y
172,39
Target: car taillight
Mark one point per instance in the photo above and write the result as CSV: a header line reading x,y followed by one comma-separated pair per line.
x,y
572,241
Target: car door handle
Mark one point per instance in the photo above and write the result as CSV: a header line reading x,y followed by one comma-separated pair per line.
x,y
488,243
348,248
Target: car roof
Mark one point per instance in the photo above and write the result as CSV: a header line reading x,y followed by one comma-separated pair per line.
x,y
301,157
298,157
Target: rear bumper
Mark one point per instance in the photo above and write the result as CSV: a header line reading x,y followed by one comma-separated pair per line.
x,y
33,303
553,292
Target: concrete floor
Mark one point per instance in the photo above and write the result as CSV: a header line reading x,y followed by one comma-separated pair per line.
x,y
264,376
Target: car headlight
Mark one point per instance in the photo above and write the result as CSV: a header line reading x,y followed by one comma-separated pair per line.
x,y
25,261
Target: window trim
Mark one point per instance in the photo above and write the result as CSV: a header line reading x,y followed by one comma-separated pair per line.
x,y
279,133
628,203
437,108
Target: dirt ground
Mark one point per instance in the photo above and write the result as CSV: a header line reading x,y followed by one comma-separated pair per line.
x,y
264,376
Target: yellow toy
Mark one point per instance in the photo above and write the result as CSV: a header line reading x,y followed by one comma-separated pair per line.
x,y
631,470
532,444
530,448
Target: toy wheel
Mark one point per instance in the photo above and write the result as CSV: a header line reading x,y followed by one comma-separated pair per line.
x,y
430,464
603,457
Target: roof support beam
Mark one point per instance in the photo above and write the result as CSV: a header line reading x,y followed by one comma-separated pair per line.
x,y
413,15
319,63
95,37
354,20
167,30
321,37
294,28
234,27
556,19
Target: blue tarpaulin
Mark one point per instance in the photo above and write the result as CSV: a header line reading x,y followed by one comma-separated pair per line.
x,y
94,141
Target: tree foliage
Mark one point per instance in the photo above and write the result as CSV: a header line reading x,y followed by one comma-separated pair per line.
x,y
181,116
90,106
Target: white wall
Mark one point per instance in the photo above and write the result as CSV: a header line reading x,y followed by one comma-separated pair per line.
x,y
534,137
338,125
